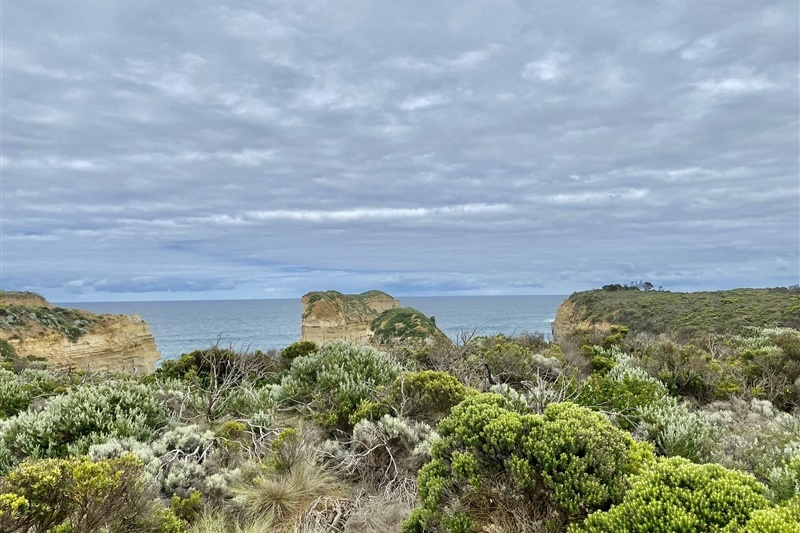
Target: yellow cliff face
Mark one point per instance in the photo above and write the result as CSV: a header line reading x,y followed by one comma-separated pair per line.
x,y
67,338
568,320
116,343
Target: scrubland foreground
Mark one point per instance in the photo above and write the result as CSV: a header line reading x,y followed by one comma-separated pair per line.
x,y
623,432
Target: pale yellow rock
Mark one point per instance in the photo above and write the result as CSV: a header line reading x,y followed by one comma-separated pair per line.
x,y
567,322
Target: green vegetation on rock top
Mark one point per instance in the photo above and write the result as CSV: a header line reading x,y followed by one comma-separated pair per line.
x,y
690,313
347,305
403,323
70,322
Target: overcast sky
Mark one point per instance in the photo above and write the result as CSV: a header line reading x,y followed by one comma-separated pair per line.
x,y
263,149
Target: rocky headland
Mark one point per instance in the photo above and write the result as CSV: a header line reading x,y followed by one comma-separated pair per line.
x,y
685,314
32,328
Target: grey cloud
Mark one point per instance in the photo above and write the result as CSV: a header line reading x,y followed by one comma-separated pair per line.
x,y
452,147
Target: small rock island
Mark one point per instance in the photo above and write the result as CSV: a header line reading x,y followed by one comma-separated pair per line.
x,y
369,317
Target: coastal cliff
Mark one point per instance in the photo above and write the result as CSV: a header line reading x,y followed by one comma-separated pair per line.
x,y
679,313
571,317
30,327
331,315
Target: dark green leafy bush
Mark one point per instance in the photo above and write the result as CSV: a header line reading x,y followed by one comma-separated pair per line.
x,y
295,350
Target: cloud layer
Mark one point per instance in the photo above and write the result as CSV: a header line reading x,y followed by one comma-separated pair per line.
x,y
264,149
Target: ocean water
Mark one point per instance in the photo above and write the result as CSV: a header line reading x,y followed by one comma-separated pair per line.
x,y
180,327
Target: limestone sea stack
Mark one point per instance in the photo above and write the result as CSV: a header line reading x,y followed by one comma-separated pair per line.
x,y
331,315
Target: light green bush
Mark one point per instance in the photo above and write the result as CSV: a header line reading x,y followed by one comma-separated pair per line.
x,y
427,395
86,415
19,390
331,382
554,467
623,392
675,495
782,519
78,495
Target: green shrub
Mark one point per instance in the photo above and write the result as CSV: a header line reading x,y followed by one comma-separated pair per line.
x,y
782,519
81,496
86,415
218,365
507,360
19,390
678,431
333,381
298,349
556,467
676,495
426,395
623,392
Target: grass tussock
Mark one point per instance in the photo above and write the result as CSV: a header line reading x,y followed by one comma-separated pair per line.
x,y
219,523
285,495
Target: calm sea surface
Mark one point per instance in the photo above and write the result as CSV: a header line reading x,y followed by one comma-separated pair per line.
x,y
181,327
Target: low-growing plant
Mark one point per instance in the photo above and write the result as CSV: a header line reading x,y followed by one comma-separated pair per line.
x,y
280,496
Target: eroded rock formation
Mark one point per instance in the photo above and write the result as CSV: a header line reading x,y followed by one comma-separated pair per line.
x,y
70,338
331,315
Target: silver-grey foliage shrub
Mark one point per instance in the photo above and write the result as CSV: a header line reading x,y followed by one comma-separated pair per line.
x,y
332,381
756,437
385,452
182,460
677,430
85,415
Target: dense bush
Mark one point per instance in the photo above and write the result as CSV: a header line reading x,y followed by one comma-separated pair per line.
x,y
552,468
19,390
677,430
333,381
622,393
85,415
77,495
295,350
382,453
675,495
216,382
426,395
